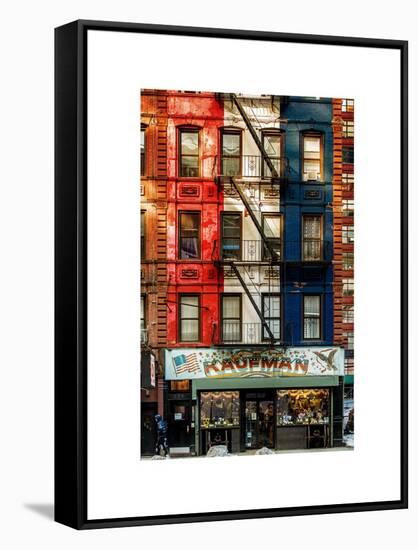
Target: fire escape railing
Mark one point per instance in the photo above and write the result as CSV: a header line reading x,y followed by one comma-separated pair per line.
x,y
253,302
254,251
250,166
254,135
232,170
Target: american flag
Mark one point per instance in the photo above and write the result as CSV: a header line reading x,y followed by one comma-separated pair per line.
x,y
184,364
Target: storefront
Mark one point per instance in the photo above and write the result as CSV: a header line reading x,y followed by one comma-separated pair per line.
x,y
149,402
281,419
281,400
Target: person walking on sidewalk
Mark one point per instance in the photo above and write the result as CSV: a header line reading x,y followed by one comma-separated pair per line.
x,y
161,446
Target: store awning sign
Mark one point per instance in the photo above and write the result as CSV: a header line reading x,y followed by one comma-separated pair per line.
x,y
187,363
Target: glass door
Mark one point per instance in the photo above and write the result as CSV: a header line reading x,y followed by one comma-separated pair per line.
x,y
259,423
266,424
251,424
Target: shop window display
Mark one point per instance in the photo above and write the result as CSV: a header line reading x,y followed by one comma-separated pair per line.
x,y
219,409
302,407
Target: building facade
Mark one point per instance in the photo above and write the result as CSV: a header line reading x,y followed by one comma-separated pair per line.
x,y
343,186
242,322
153,309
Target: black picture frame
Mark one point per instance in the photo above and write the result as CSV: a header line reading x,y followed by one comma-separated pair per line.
x,y
71,339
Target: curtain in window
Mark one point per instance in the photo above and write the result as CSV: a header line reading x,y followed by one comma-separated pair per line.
x,y
189,236
312,237
189,314
312,311
231,315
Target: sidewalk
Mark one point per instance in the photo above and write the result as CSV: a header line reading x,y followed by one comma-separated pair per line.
x,y
253,452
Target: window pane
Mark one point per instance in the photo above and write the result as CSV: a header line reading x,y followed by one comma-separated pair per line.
x,y
231,307
231,224
231,144
189,143
312,147
274,325
189,222
142,152
348,154
272,227
312,305
348,105
311,321
312,238
271,310
189,330
347,178
190,167
311,328
189,307
348,314
348,234
272,145
189,318
348,287
312,170
348,128
189,235
312,227
231,166
271,306
142,312
348,260
348,207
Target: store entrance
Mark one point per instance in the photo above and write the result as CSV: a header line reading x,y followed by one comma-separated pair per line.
x,y
148,435
179,433
258,420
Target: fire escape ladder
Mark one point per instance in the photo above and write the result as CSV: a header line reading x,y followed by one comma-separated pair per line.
x,y
267,243
253,302
257,140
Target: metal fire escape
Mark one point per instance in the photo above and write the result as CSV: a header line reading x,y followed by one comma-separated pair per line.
x,y
268,256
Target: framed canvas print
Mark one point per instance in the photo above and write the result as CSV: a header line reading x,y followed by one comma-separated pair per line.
x,y
231,274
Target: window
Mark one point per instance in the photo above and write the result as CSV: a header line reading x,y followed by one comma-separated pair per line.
x,y
231,153
349,336
348,287
303,406
349,365
348,234
143,323
348,260
219,409
312,145
348,207
272,232
231,236
348,181
189,245
143,157
189,318
180,385
311,317
347,105
348,155
189,153
348,314
348,128
142,234
272,146
312,241
231,318
271,313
